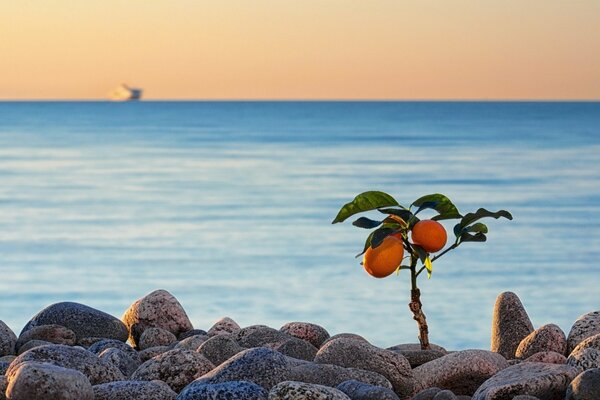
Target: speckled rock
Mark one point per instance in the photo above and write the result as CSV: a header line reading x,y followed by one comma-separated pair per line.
x,y
152,352
126,363
96,370
86,342
550,357
416,347
445,395
363,391
190,333
427,394
3,367
546,381
83,320
546,338
510,324
592,341
259,335
104,344
192,342
56,334
134,390
345,335
177,368
153,337
8,340
33,380
292,390
3,386
9,358
220,348
586,386
296,348
333,375
223,326
585,326
312,333
525,397
31,344
461,372
354,353
238,390
585,358
159,309
420,357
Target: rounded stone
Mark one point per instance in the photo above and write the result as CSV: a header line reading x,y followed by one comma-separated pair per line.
x,y
177,368
33,380
83,320
8,340
427,394
585,326
223,326
525,397
420,357
550,357
192,342
445,395
238,390
363,391
312,333
546,381
3,386
101,345
585,358
96,370
191,332
220,348
345,335
348,352
585,386
56,334
4,367
126,363
592,341
259,335
546,338
134,390
32,344
152,352
461,372
153,337
295,348
291,390
510,324
159,309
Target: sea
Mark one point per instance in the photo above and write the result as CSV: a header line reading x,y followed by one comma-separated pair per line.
x,y
228,206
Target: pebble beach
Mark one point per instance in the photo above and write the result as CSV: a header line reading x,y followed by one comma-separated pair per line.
x,y
70,351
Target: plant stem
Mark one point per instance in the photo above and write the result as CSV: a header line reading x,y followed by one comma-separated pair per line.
x,y
455,245
416,306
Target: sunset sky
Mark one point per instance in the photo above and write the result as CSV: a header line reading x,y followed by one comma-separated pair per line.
x,y
301,49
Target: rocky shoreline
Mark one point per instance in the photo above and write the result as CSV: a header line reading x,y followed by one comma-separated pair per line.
x,y
71,351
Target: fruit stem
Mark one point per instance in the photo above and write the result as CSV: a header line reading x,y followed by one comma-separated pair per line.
x,y
416,306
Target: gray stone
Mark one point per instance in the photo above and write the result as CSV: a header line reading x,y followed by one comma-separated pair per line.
x,y
295,348
83,320
31,344
510,324
223,326
104,344
427,394
122,360
152,352
8,358
220,348
3,367
550,357
192,342
546,381
585,358
3,386
525,397
417,347
8,340
354,353
153,337
177,368
585,386
238,390
56,334
33,380
445,395
159,309
312,333
587,325
333,375
259,335
86,342
346,336
592,341
420,357
357,390
96,370
546,338
134,390
461,372
191,332
292,390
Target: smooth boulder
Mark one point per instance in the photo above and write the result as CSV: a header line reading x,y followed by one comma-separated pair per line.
x,y
585,386
8,340
585,326
220,348
126,363
134,390
238,390
548,337
293,390
312,333
585,358
510,324
550,357
153,337
53,333
224,325
363,391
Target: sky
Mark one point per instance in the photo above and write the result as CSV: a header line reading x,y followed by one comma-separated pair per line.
x,y
301,49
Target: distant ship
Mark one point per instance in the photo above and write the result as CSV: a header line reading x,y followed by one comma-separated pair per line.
x,y
125,93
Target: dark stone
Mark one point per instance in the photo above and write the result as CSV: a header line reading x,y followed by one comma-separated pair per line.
x,y
312,333
587,325
510,324
104,344
126,363
445,395
420,357
259,335
192,342
293,390
295,348
586,386
220,348
153,337
152,352
363,391
427,394
134,390
32,344
190,333
56,334
238,390
8,340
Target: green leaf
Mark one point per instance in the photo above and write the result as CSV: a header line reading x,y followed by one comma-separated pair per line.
x,y
402,213
423,255
364,222
367,244
477,227
365,202
467,237
375,238
469,218
440,203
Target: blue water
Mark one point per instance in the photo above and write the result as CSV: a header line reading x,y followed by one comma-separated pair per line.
x,y
228,205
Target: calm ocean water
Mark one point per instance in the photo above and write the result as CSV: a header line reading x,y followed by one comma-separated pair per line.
x,y
228,205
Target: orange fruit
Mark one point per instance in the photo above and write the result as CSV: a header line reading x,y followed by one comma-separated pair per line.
x,y
430,235
383,260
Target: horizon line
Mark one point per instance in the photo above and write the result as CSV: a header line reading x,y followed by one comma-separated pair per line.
x,y
314,100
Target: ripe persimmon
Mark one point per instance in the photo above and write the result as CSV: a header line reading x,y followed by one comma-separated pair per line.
x,y
430,235
383,260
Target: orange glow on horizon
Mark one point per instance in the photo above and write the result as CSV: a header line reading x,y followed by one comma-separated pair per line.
x,y
310,49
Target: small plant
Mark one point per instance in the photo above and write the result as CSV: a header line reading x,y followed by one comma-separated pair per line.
x,y
402,231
